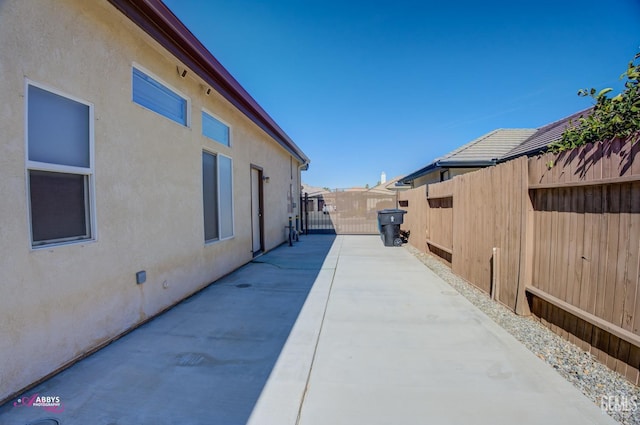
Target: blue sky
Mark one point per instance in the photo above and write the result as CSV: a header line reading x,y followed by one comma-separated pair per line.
x,y
370,86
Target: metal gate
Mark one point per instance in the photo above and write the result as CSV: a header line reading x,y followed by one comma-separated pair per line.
x,y
345,212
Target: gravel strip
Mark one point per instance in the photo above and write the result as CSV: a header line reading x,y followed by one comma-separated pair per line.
x,y
599,383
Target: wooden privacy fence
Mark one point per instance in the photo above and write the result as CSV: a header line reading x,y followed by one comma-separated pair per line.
x,y
557,236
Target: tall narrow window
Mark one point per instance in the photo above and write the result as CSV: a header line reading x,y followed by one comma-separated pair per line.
x,y
215,129
157,97
217,196
226,196
59,167
210,196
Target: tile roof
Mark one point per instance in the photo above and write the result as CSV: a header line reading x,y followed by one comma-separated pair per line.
x,y
492,145
313,191
483,151
545,135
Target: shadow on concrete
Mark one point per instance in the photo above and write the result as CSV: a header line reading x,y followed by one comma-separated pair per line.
x,y
203,362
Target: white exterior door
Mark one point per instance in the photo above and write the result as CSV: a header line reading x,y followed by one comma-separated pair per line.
x,y
256,210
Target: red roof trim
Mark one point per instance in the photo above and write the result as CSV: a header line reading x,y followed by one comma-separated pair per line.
x,y
157,20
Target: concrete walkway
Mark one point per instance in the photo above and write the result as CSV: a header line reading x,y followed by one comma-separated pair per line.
x,y
335,330
383,340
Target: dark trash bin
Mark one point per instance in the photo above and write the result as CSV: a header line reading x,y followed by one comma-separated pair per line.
x,y
389,221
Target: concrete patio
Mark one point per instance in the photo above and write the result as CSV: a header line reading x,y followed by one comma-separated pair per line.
x,y
334,330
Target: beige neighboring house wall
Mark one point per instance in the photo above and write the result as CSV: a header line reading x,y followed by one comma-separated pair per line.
x,y
433,177
437,176
59,302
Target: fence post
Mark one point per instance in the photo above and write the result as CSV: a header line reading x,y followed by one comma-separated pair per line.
x,y
306,213
495,275
301,213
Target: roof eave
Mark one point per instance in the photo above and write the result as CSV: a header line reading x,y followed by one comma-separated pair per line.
x,y
446,164
527,153
157,20
468,164
419,173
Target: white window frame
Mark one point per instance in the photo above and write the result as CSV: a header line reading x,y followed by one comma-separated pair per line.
x,y
168,86
206,111
233,229
233,222
89,173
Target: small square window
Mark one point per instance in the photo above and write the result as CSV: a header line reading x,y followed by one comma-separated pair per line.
x,y
215,129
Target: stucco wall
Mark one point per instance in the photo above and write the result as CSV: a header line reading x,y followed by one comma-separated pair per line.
x,y
432,177
435,176
58,303
458,171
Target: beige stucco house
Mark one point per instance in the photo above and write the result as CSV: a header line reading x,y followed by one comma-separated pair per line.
x,y
134,171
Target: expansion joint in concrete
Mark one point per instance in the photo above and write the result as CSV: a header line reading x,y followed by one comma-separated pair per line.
x,y
317,343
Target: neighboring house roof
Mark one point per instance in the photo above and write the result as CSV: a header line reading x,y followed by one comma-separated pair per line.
x,y
481,152
540,140
314,191
384,188
391,185
155,18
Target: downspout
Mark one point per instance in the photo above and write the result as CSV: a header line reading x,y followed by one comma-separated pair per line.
x,y
302,167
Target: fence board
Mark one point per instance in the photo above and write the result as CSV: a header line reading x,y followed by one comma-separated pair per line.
x,y
555,247
573,245
564,224
441,190
634,277
596,269
635,163
632,274
515,212
624,204
612,255
578,231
